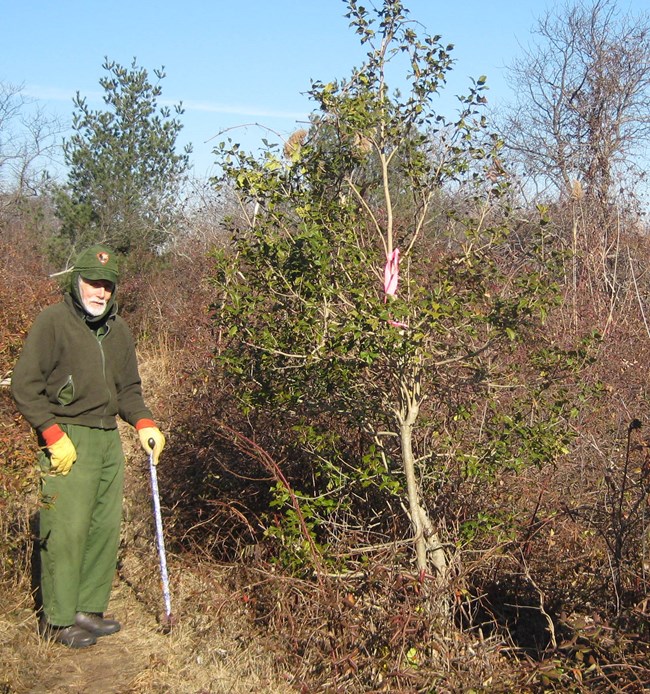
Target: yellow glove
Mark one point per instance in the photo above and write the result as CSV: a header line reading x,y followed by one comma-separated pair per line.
x,y
62,455
154,433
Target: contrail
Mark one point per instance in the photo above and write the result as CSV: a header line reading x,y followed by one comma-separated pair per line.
x,y
239,110
57,94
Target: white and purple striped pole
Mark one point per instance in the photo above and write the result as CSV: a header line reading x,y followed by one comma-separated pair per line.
x,y
160,540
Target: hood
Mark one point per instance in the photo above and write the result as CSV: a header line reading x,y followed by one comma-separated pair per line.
x,y
93,321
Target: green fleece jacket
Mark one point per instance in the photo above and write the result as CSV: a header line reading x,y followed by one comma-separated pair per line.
x,y
71,373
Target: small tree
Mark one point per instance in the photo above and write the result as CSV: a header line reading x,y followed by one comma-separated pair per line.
x,y
125,175
372,293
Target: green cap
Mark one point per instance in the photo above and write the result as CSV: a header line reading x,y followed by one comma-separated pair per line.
x,y
97,263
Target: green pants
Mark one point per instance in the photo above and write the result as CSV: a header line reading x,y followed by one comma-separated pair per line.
x,y
80,520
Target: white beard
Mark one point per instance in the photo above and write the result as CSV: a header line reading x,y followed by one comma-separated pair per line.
x,y
95,309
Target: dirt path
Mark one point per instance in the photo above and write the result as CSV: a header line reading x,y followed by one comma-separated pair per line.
x,y
211,650
117,663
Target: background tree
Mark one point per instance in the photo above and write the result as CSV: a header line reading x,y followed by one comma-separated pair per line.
x,y
583,100
27,141
125,176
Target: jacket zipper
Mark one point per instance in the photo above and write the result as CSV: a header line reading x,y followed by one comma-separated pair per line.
x,y
99,339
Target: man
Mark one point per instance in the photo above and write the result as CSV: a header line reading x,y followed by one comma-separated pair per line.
x,y
78,371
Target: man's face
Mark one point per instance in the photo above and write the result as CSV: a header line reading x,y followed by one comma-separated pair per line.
x,y
95,295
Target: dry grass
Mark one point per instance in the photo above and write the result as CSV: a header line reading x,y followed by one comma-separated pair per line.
x,y
202,653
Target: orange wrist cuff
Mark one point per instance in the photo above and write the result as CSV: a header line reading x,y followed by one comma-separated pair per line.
x,y
144,424
52,434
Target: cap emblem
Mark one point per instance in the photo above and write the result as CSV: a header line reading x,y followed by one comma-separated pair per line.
x,y
103,257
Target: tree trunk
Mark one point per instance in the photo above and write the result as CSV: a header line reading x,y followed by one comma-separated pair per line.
x,y
427,543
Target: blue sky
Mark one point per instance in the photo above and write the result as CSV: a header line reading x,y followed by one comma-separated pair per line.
x,y
237,64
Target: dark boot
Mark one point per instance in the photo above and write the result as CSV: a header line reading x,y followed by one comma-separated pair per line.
x,y
94,623
72,636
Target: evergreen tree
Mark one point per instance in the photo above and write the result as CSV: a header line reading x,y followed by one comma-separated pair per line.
x,y
125,175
